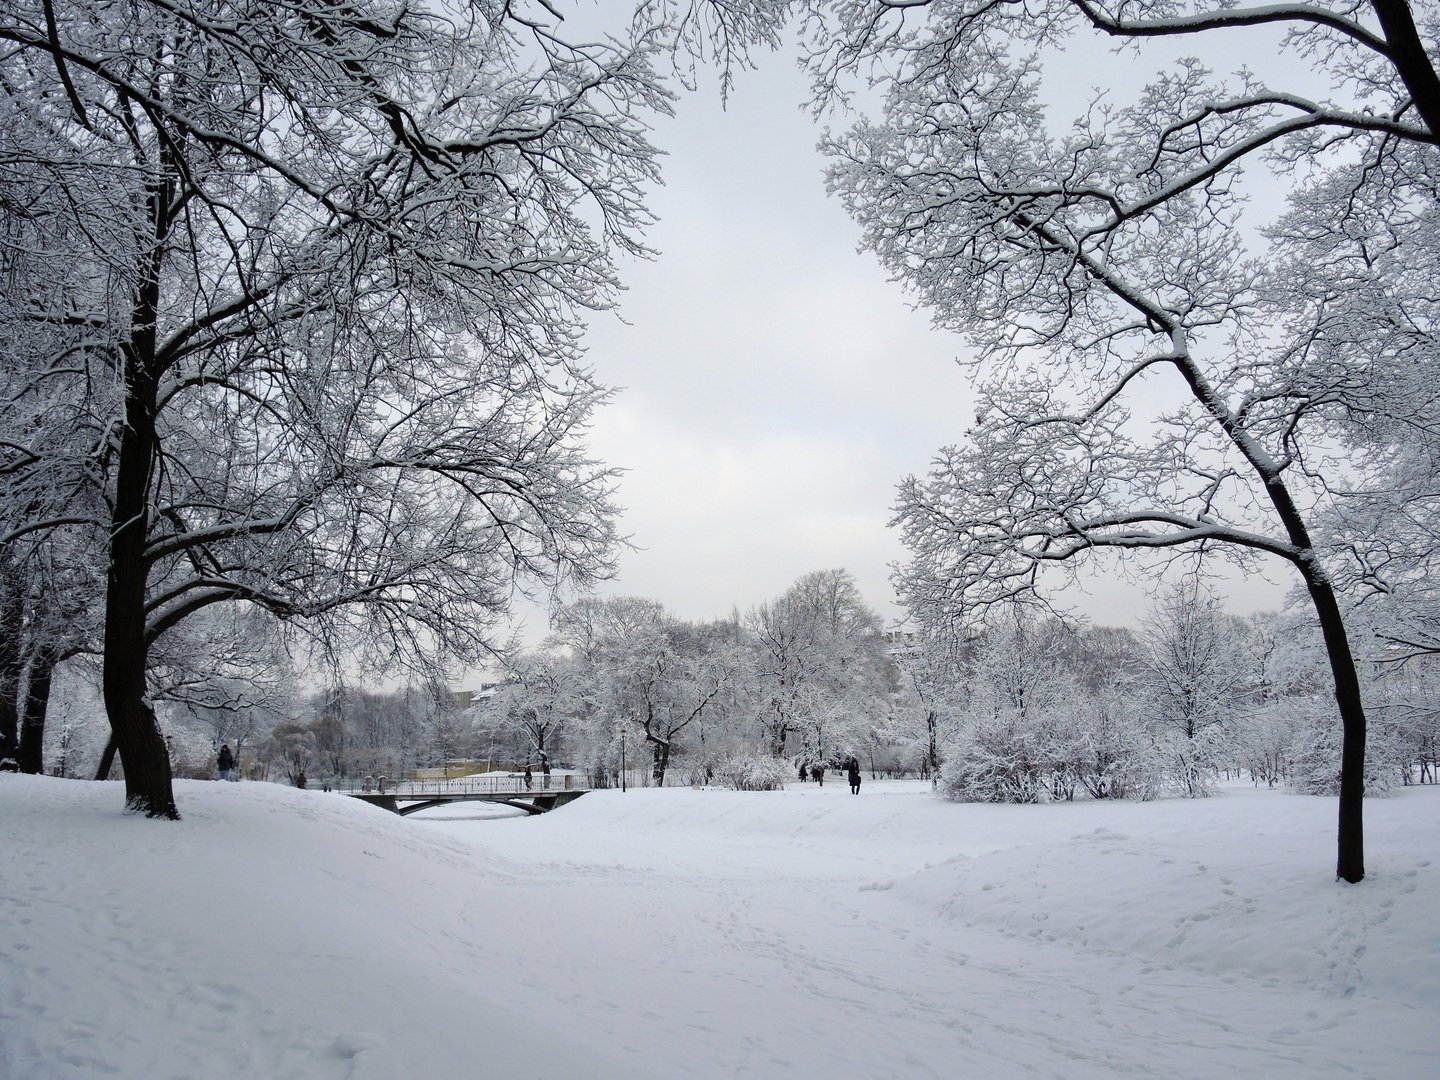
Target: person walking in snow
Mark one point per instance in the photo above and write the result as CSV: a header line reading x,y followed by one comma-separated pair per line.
x,y
225,763
529,778
854,776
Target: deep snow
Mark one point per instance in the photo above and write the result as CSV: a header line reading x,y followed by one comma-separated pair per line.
x,y
278,934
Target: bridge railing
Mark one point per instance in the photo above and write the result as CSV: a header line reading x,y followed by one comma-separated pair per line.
x,y
482,784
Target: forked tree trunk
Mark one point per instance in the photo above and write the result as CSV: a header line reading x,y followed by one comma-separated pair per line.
x,y
779,731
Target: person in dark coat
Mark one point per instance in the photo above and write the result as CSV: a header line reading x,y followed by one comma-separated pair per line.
x,y
854,772
225,763
529,778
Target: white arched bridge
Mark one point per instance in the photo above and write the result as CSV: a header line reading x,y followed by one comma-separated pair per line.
x,y
536,796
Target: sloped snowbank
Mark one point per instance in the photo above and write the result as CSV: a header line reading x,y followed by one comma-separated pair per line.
x,y
805,933
1231,886
272,933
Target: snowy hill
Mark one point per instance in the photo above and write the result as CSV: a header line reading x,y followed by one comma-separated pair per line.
x,y
286,934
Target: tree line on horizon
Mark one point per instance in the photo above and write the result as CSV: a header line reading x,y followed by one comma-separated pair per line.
x,y
1031,708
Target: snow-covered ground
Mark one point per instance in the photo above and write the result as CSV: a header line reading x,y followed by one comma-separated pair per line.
x,y
278,934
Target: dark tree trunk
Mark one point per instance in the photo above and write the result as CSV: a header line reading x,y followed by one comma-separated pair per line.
x,y
779,731
1407,53
135,730
661,762
932,750
12,625
1350,853
1350,837
37,704
148,788
1350,858
107,759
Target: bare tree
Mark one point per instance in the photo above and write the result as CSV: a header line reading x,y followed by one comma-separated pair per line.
x,y
543,693
819,655
645,671
51,459
335,264
931,697
1196,681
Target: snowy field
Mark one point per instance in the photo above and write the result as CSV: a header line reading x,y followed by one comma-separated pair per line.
x,y
277,934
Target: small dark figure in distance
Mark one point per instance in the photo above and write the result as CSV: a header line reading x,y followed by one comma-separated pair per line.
x,y
225,762
529,778
818,772
854,775
804,774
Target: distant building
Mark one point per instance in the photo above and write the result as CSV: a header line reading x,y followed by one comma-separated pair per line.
x,y
900,643
468,699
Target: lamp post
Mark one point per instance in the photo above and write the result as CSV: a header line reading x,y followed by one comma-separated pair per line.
x,y
622,760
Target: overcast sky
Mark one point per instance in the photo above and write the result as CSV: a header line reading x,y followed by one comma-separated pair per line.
x,y
775,386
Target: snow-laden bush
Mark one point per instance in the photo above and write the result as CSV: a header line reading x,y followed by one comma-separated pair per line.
x,y
747,772
1192,764
76,730
1052,756
1120,759
192,756
996,760
1060,739
1267,740
1315,758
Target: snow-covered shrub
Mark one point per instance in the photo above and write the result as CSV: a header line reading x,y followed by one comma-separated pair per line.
x,y
1403,713
1052,756
192,756
748,772
1267,739
76,729
996,760
1191,764
1120,759
291,747
1315,758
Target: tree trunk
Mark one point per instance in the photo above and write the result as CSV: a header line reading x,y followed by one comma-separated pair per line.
x,y
142,749
661,762
1350,857
1407,53
107,759
136,731
779,729
1350,848
37,703
12,619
